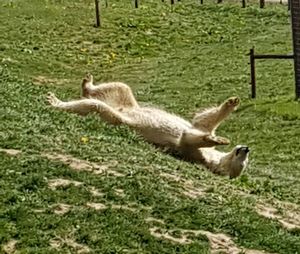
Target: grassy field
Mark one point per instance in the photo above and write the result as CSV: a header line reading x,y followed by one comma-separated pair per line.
x,y
76,185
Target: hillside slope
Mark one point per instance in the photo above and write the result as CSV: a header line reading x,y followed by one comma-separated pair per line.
x,y
74,184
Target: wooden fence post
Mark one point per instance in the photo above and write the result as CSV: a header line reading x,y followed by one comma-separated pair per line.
x,y
252,73
261,3
98,23
136,3
243,3
295,11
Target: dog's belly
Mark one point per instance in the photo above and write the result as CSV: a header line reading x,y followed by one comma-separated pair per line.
x,y
160,137
157,126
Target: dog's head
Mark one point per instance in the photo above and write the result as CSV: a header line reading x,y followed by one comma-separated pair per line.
x,y
239,160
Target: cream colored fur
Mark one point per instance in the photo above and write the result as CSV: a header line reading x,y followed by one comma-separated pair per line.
x,y
115,103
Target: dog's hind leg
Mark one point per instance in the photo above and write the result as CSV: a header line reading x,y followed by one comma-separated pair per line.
x,y
116,94
209,119
86,106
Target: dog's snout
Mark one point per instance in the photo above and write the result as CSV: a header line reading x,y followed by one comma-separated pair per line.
x,y
242,149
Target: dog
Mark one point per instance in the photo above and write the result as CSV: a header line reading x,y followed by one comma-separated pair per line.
x,y
195,141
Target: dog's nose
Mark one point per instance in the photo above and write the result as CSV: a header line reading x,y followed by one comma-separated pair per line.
x,y
243,149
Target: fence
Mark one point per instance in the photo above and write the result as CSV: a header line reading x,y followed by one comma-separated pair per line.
x,y
295,13
294,5
253,57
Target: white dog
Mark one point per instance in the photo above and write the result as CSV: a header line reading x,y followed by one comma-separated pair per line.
x,y
116,104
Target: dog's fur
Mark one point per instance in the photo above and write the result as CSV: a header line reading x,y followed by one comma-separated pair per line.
x,y
116,104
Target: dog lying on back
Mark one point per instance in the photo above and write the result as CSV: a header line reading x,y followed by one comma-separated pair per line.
x,y
115,103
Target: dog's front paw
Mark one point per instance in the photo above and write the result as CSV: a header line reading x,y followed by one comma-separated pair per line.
x,y
221,140
232,102
88,78
217,140
53,100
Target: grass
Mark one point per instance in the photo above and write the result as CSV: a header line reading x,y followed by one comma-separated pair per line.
x,y
180,58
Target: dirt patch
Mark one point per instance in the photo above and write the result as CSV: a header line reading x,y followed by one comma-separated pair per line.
x,y
61,209
95,192
288,214
55,183
11,152
96,206
39,210
219,243
290,219
100,206
189,189
55,243
248,251
124,207
10,247
159,233
42,80
151,219
7,60
120,193
80,248
173,177
267,211
192,191
58,243
59,182
82,165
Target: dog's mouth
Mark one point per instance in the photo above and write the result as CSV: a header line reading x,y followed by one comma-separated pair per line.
x,y
243,149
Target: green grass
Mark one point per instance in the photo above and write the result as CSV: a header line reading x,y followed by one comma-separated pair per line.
x,y
180,58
